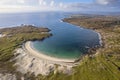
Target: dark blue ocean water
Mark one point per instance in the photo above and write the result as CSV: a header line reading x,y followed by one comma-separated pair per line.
x,y
68,41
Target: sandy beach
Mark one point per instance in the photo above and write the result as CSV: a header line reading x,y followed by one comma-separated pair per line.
x,y
30,50
35,62
2,35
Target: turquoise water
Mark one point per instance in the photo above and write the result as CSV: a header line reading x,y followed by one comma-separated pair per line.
x,y
68,41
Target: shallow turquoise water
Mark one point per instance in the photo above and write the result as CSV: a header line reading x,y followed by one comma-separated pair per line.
x,y
68,41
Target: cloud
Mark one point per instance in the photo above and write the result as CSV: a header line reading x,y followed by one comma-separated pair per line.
x,y
40,2
44,3
61,4
52,3
10,2
22,1
107,2
96,5
30,5
103,2
18,2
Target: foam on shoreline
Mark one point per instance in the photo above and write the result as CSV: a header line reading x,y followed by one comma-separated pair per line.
x,y
2,35
100,38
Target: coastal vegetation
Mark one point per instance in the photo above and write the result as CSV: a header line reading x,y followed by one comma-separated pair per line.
x,y
14,38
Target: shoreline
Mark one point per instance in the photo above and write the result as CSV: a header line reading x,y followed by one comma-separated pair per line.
x,y
99,33
28,48
2,35
100,38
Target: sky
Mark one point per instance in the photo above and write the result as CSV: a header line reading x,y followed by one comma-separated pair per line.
x,y
59,5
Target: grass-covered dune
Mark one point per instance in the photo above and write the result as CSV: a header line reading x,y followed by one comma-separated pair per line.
x,y
13,38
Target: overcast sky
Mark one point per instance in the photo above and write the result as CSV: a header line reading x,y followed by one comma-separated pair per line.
x,y
59,5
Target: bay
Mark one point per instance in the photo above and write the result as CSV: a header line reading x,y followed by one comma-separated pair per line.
x,y
68,41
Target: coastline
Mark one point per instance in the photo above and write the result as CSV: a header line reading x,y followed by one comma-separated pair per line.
x,y
96,31
31,50
100,38
2,35
28,48
105,61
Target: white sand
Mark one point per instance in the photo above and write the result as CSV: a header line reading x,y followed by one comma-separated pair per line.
x,y
7,76
2,35
26,62
33,52
29,60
